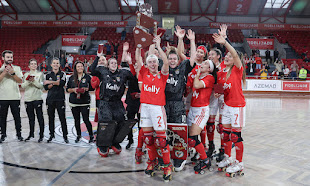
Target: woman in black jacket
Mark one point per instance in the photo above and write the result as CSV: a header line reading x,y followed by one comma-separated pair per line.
x,y
54,83
79,86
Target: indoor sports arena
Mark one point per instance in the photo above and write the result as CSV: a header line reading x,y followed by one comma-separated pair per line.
x,y
148,92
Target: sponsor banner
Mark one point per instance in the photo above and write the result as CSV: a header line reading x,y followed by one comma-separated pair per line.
x,y
63,23
264,85
239,7
168,6
72,40
296,86
177,135
257,43
261,26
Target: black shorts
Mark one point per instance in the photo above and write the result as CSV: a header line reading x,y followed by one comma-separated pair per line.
x,y
109,111
175,111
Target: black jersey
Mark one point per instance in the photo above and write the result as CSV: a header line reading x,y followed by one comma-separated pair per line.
x,y
83,83
57,92
176,83
112,85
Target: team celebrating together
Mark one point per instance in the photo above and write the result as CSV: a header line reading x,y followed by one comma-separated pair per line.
x,y
160,86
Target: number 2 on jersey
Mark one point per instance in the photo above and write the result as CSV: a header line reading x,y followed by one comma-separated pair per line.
x,y
159,118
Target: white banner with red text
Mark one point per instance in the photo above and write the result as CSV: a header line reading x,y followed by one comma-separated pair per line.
x,y
277,85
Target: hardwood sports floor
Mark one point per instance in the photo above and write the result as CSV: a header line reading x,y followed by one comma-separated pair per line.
x,y
276,141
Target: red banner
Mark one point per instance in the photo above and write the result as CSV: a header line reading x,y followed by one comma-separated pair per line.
x,y
177,135
168,6
239,7
256,43
261,26
72,40
296,86
64,23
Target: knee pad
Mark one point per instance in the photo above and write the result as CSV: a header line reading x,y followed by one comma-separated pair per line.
x,y
160,142
160,139
148,138
226,136
236,137
219,128
210,128
193,141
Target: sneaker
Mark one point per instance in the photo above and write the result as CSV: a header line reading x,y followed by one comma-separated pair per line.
x,y
20,138
235,167
3,137
167,168
30,138
103,151
129,144
179,164
91,139
40,140
50,139
117,148
77,139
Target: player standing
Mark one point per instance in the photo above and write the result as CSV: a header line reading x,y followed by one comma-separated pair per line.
x,y
233,112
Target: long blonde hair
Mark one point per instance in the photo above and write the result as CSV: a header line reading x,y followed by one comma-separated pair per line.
x,y
243,65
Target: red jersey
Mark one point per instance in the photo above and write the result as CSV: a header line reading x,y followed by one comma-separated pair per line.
x,y
258,60
201,97
153,87
233,95
191,75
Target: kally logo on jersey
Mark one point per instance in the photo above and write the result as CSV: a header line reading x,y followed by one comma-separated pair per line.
x,y
172,81
151,89
112,87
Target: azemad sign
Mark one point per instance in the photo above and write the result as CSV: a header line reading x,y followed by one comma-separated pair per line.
x,y
72,40
264,85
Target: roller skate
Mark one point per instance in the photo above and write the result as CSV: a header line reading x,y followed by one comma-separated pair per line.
x,y
160,163
203,164
167,168
138,155
220,156
179,164
226,162
195,158
117,148
235,169
103,151
211,150
150,169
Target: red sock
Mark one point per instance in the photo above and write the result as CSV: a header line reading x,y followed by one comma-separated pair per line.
x,y
228,144
96,116
239,151
166,154
140,139
201,150
238,146
210,132
151,150
203,136
165,151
